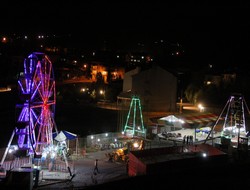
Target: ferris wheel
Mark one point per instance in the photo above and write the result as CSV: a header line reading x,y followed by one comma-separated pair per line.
x,y
35,112
35,124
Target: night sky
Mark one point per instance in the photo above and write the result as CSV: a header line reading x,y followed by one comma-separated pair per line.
x,y
211,32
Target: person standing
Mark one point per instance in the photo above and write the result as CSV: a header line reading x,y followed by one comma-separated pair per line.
x,y
96,166
184,140
127,167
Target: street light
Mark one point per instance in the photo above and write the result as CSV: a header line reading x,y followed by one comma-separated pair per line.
x,y
102,92
201,108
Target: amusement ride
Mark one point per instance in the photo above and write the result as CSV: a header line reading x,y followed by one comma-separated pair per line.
x,y
232,121
35,111
134,125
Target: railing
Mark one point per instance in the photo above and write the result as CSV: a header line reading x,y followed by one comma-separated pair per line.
x,y
57,165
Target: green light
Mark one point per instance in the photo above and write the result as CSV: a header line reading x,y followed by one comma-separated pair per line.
x,y
134,122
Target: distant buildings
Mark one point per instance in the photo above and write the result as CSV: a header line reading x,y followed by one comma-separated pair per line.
x,y
77,57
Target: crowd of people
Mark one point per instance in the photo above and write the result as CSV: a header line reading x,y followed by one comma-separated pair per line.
x,y
188,139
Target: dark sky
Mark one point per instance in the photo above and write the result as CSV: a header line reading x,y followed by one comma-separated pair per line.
x,y
128,18
219,30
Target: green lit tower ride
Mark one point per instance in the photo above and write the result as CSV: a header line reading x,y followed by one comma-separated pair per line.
x,y
134,123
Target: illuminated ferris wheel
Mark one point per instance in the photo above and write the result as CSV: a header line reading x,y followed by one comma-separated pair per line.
x,y
36,110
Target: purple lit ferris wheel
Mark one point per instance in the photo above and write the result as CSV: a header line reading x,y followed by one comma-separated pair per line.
x,y
36,110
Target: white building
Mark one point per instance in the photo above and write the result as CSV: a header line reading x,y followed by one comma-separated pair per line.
x,y
156,87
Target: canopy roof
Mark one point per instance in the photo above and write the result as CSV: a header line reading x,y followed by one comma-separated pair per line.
x,y
200,118
64,135
170,118
190,120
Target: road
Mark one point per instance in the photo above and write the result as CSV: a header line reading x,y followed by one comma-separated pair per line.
x,y
84,167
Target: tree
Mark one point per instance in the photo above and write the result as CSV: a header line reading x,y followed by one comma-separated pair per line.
x,y
191,93
99,79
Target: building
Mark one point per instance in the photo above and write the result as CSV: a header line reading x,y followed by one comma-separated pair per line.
x,y
156,87
177,158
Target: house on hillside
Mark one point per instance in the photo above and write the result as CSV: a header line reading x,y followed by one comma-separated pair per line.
x,y
156,87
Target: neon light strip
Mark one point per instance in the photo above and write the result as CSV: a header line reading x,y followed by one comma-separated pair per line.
x,y
36,89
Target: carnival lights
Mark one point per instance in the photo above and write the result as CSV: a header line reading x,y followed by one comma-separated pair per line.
x,y
35,122
134,124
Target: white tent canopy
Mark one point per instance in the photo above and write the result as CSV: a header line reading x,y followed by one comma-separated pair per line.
x,y
176,122
60,137
170,118
64,135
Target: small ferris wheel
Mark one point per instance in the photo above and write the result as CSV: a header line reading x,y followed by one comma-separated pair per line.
x,y
37,94
36,107
35,125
